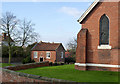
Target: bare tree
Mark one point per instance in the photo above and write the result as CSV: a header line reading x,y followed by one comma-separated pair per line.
x,y
8,23
28,35
72,44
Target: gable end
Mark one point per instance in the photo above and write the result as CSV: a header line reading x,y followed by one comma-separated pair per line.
x,y
80,20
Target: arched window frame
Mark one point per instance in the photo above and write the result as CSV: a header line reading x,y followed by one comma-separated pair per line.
x,y
104,46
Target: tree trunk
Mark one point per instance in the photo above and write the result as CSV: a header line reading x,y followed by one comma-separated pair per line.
x,y
9,44
9,55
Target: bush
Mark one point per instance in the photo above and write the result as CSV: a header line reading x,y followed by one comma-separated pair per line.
x,y
5,52
62,63
50,64
55,64
27,60
23,61
16,51
32,61
69,60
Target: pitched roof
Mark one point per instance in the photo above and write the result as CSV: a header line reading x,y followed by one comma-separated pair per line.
x,y
42,46
91,8
88,11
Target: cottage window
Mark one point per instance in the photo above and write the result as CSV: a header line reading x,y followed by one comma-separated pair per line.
x,y
61,54
104,30
48,55
35,54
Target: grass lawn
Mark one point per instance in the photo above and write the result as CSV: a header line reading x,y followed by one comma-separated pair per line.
x,y
5,64
67,72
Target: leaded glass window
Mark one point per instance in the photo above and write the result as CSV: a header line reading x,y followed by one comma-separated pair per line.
x,y
104,30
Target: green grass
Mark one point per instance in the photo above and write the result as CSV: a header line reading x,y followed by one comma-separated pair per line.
x,y
5,64
67,72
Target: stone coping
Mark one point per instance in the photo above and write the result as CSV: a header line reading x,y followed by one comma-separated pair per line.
x,y
35,76
26,64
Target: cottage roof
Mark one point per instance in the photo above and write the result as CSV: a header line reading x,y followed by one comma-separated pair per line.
x,y
42,46
88,11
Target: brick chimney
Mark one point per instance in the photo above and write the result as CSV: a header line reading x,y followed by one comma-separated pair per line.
x,y
4,35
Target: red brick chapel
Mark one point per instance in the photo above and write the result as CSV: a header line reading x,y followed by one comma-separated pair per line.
x,y
98,42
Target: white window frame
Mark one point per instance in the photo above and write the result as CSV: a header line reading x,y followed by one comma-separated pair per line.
x,y
61,54
35,54
47,55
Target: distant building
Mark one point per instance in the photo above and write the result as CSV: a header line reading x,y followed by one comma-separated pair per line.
x,y
52,52
67,54
4,39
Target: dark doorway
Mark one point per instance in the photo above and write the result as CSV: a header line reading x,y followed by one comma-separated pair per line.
x,y
41,59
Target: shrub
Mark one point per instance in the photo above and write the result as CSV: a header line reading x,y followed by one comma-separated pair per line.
x,y
16,51
62,63
5,51
58,63
55,64
27,60
32,61
23,61
50,64
69,60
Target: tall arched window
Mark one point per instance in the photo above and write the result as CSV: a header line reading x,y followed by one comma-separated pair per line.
x,y
104,30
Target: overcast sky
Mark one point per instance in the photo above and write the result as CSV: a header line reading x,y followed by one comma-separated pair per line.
x,y
54,21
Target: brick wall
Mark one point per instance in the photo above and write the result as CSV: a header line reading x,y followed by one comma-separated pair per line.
x,y
58,54
55,56
81,47
119,32
12,77
92,23
27,66
7,75
43,54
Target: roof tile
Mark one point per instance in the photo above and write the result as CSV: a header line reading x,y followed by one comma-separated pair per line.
x,y
42,46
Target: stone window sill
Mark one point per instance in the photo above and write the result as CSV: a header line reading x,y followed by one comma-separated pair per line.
x,y
104,47
47,57
35,57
